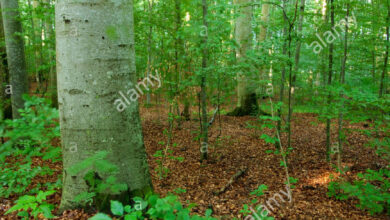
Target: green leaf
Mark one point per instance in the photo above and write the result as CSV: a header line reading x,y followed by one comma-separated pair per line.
x,y
128,208
208,212
46,210
116,208
100,216
132,216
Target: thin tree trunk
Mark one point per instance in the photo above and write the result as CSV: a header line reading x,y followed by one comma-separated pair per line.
x,y
283,77
33,41
38,45
178,53
261,38
290,76
342,81
203,95
49,46
384,72
2,73
15,54
330,74
89,83
150,6
299,41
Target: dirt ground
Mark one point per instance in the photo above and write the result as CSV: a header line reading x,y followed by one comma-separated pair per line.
x,y
234,146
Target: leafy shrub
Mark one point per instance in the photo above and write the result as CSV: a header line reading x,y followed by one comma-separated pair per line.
x,y
153,207
372,191
32,133
28,136
97,167
246,208
35,204
15,179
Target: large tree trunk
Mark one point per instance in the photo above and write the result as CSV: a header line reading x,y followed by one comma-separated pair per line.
x,y
246,91
15,54
96,61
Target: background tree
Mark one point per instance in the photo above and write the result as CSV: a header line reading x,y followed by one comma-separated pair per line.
x,y
15,54
246,95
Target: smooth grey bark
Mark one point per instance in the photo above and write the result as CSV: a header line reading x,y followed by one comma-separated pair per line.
x,y
15,54
95,61
246,90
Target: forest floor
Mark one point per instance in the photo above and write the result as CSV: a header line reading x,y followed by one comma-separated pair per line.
x,y
237,147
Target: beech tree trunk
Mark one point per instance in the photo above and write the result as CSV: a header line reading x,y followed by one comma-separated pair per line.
x,y
15,54
95,61
246,90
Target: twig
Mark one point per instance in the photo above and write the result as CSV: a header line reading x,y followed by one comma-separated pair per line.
x,y
231,181
213,118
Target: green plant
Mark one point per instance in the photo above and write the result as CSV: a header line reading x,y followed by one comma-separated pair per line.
x,y
246,210
98,167
27,137
371,189
161,156
35,204
153,207
15,178
32,133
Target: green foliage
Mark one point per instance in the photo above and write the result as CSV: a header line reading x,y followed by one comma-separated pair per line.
x,y
153,207
34,204
31,135
167,153
27,137
15,178
100,176
260,190
371,189
247,210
